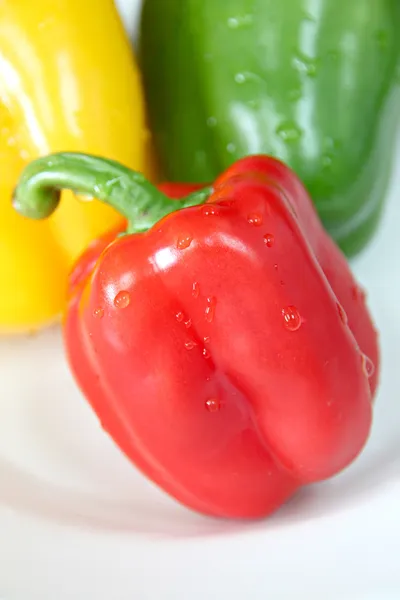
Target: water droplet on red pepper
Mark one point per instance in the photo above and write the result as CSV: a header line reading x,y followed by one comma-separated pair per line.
x,y
269,240
210,309
184,241
206,339
358,293
179,316
188,323
342,313
190,344
255,219
226,203
98,313
209,210
367,365
195,289
291,318
206,353
213,405
122,300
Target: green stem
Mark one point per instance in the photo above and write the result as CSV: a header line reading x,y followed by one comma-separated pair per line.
x,y
37,194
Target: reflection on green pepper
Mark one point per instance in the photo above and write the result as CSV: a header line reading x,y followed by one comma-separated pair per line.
x,y
312,82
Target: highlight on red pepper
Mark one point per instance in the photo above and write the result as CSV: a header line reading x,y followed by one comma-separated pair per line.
x,y
223,341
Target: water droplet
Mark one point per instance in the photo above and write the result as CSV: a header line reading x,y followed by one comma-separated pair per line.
x,y
342,313
240,21
206,353
226,203
305,64
326,161
294,95
188,323
291,318
189,345
358,293
98,313
211,121
269,241
333,55
289,131
255,219
200,158
240,77
24,154
329,143
233,23
309,17
311,70
381,37
206,339
210,309
254,103
195,289
46,22
85,197
231,148
276,267
179,316
209,210
213,405
367,365
122,300
184,241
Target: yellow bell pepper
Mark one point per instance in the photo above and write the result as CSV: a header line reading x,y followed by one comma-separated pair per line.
x,y
68,81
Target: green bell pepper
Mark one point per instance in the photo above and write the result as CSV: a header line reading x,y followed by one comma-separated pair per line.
x,y
314,83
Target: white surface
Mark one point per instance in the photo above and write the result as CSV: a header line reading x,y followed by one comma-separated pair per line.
x,y
77,522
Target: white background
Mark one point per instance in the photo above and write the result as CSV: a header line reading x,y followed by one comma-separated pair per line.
x,y
77,521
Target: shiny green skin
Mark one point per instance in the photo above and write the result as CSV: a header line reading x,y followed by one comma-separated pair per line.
x,y
312,82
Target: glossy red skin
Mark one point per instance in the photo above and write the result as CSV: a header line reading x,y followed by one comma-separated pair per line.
x,y
294,406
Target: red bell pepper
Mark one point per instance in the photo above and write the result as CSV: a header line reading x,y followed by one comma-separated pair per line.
x,y
223,341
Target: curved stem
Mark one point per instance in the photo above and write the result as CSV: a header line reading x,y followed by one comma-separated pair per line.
x,y
38,191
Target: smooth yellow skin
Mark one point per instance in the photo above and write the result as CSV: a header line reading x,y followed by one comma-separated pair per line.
x,y
68,82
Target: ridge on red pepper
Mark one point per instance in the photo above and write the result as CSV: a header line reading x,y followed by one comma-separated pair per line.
x,y
223,341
